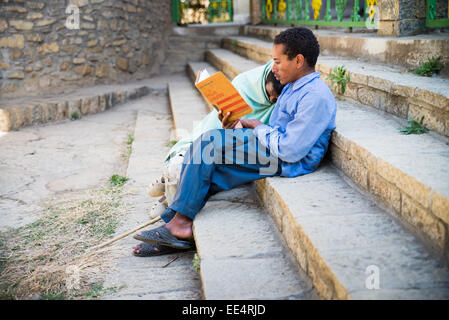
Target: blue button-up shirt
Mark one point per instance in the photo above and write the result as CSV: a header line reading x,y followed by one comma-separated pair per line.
x,y
300,126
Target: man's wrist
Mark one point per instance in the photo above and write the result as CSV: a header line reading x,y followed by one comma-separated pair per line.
x,y
251,123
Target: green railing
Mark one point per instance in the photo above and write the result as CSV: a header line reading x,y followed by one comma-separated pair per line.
x,y
437,14
305,12
202,11
220,11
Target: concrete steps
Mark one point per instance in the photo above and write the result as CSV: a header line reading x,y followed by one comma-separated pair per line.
x,y
182,48
340,238
242,255
386,88
23,112
407,51
215,29
192,71
366,146
186,105
140,278
189,43
194,67
337,232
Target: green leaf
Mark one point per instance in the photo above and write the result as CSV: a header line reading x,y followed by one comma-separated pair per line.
x,y
414,127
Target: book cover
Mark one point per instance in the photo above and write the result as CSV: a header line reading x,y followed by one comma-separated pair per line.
x,y
220,92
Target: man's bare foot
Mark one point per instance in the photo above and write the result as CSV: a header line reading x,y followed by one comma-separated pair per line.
x,y
180,226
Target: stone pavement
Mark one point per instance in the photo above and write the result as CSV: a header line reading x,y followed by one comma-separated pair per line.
x,y
47,162
41,165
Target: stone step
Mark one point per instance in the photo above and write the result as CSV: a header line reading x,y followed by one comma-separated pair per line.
x,y
185,48
407,51
216,29
367,146
242,256
177,59
23,112
348,246
140,278
194,42
194,67
186,104
384,87
342,237
219,57
192,72
190,42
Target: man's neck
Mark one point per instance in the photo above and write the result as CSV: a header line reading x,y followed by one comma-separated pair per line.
x,y
304,73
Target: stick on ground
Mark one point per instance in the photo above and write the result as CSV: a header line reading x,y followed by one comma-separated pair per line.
x,y
125,234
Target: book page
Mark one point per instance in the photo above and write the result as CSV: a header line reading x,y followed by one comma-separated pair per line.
x,y
202,75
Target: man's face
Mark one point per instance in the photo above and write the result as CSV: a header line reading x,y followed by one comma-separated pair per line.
x,y
285,70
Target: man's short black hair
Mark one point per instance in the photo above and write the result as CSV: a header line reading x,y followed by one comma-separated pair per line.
x,y
299,40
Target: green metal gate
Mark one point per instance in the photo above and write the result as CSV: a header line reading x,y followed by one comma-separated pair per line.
x,y
437,13
312,12
202,11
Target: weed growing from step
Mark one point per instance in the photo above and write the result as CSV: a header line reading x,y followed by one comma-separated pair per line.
x,y
196,262
234,45
429,68
129,148
339,77
75,116
35,258
118,180
414,127
130,139
171,143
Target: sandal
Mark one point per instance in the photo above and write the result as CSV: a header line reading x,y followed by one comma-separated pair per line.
x,y
158,208
151,250
157,188
163,236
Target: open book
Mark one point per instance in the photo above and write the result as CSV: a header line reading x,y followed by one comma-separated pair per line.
x,y
220,92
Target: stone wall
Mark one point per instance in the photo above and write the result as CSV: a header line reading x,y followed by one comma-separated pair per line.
x,y
117,40
255,11
401,17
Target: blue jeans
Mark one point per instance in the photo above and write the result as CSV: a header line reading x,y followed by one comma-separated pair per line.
x,y
219,160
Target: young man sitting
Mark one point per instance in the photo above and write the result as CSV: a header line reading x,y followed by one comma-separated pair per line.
x,y
292,144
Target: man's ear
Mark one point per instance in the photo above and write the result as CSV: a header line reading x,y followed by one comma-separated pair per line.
x,y
299,61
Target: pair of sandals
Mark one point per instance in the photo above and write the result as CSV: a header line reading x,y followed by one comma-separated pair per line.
x,y
161,241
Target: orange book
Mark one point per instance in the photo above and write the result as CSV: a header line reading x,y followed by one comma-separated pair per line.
x,y
220,92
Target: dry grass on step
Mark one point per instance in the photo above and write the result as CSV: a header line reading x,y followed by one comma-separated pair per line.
x,y
35,259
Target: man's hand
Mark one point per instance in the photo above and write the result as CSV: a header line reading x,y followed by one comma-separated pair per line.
x,y
229,125
237,124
